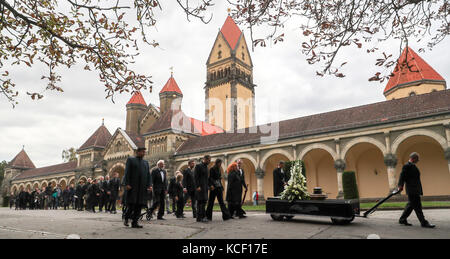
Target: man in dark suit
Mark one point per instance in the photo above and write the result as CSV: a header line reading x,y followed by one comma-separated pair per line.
x,y
159,177
114,185
138,182
239,211
189,186
201,187
79,192
279,179
410,176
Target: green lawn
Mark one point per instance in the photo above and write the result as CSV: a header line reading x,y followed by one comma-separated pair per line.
x,y
363,206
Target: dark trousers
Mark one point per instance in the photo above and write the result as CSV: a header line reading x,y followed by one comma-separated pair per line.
x,y
191,195
174,205
66,205
212,197
414,203
180,207
159,200
133,212
112,203
235,207
201,213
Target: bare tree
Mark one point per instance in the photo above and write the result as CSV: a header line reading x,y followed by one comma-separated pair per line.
x,y
331,25
62,33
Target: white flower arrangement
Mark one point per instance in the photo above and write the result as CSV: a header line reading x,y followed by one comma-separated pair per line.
x,y
296,187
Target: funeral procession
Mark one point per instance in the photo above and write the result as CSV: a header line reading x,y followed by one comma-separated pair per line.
x,y
312,120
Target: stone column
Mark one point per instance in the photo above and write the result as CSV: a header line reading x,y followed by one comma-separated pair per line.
x,y
390,160
340,167
260,183
447,156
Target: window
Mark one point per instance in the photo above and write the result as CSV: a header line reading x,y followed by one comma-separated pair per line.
x,y
219,54
243,56
412,94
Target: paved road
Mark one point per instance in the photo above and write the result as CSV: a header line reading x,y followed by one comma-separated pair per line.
x,y
58,224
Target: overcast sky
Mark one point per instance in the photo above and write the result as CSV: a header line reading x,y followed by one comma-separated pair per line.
x,y
287,86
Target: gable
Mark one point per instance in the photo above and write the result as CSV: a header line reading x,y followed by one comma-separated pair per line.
x,y
242,48
119,146
222,46
149,118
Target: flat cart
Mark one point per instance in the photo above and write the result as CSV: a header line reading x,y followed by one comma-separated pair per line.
x,y
340,211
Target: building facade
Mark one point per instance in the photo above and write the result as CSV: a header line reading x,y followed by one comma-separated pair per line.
x,y
373,140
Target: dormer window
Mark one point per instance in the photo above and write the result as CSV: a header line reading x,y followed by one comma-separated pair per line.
x,y
412,94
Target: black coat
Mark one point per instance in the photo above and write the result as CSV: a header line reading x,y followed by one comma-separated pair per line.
x,y
234,188
215,178
93,194
178,190
201,180
137,175
410,176
159,185
279,179
66,195
114,185
188,180
172,183
79,191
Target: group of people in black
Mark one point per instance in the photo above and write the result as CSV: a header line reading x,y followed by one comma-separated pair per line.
x,y
198,183
48,197
101,192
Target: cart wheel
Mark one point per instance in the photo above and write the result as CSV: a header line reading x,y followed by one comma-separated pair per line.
x,y
276,217
289,217
340,221
149,216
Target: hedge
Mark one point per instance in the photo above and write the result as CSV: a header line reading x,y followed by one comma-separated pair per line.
x,y
349,185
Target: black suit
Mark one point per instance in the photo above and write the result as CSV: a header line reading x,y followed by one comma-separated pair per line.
x,y
201,180
279,179
236,180
159,190
215,180
114,185
138,177
410,176
189,184
79,192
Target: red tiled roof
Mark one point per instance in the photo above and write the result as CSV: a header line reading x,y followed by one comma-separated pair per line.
x,y
231,32
22,160
415,107
171,86
137,98
205,128
99,139
418,70
176,120
53,169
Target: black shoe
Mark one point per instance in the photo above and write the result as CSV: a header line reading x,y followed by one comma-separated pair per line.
x,y
161,218
135,225
242,216
125,222
404,222
428,225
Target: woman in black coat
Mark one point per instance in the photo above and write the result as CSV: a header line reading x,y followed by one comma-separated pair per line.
x,y
234,189
216,190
